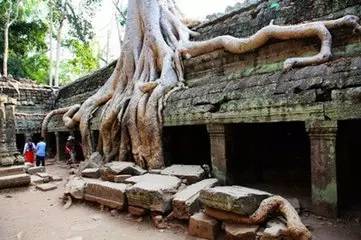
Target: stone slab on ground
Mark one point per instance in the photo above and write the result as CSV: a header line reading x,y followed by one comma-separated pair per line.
x,y
91,173
121,178
110,170
203,226
191,173
34,170
240,200
57,178
152,191
185,202
14,170
46,176
240,231
106,193
18,180
46,187
35,180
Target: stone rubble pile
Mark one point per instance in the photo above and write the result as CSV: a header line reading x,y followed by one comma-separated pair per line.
x,y
177,192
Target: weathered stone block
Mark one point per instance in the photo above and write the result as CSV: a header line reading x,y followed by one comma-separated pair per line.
x,y
185,202
240,231
14,181
152,191
46,187
35,180
106,193
75,187
110,170
240,200
14,170
203,226
47,177
34,170
91,173
192,173
121,178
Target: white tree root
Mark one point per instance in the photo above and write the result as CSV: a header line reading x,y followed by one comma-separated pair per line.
x,y
272,205
150,66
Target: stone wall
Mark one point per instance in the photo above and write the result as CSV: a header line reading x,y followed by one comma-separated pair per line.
x,y
226,88
32,103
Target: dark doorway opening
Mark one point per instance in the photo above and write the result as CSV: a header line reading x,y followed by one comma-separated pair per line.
x,y
20,142
51,145
274,157
348,162
186,145
36,137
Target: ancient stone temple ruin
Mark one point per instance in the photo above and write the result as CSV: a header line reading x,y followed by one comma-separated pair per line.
x,y
292,132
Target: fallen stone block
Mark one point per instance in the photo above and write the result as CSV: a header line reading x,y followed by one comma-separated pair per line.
x,y
112,169
35,180
91,173
152,191
185,202
106,193
75,187
191,173
34,170
121,178
203,226
223,215
136,211
57,178
18,180
240,231
46,187
240,200
14,170
47,178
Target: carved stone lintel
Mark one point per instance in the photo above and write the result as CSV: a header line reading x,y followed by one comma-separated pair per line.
x,y
323,166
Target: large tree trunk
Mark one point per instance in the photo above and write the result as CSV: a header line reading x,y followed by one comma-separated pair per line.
x,y
58,48
6,50
51,45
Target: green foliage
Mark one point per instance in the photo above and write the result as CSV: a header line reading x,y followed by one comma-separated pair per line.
x,y
83,61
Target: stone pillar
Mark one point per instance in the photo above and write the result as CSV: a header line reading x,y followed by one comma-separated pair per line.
x,y
10,127
57,142
323,166
218,135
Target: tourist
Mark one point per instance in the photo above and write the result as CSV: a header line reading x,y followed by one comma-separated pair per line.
x,y
70,150
40,152
29,151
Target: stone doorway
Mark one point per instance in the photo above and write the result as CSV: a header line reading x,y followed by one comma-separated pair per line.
x,y
348,161
186,145
20,142
271,156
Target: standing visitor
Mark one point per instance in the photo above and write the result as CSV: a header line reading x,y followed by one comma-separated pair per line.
x,y
29,151
40,152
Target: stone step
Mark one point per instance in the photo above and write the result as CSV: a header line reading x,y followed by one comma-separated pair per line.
x,y
18,180
236,199
14,170
185,202
152,191
91,173
106,193
191,173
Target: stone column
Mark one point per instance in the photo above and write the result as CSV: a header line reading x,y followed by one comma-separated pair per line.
x,y
218,135
3,147
323,166
57,142
10,127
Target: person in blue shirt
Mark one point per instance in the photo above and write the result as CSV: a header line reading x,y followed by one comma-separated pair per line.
x,y
40,152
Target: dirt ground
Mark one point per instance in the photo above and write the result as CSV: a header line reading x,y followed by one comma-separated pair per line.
x,y
29,214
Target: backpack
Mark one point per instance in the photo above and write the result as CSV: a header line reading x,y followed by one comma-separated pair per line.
x,y
30,146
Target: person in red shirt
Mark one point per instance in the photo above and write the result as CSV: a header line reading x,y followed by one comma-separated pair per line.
x,y
29,151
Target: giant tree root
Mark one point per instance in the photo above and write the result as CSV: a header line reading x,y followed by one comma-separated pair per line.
x,y
150,66
272,205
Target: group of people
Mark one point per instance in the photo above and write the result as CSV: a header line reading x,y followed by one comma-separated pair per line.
x,y
34,152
